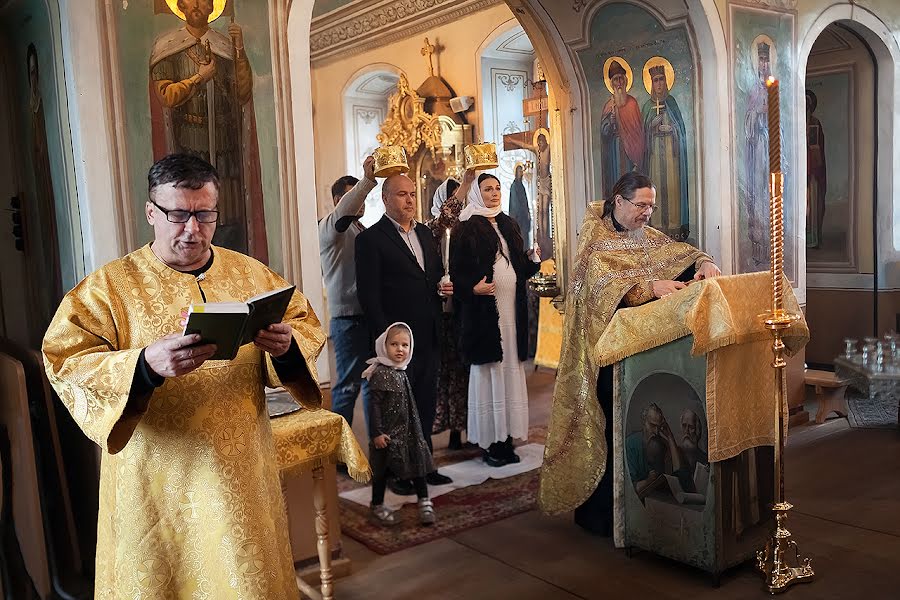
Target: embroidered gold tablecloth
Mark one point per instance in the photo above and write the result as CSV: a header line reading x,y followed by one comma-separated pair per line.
x,y
311,438
723,316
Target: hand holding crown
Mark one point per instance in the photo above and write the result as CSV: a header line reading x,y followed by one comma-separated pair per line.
x,y
480,157
390,160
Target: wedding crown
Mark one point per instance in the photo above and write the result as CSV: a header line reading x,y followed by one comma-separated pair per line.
x,y
479,157
390,160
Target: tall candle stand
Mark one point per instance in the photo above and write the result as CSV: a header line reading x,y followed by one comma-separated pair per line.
x,y
773,560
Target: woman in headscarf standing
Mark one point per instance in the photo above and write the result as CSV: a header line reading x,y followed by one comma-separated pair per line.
x,y
489,268
453,375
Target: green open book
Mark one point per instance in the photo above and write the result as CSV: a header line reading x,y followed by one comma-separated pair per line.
x,y
230,325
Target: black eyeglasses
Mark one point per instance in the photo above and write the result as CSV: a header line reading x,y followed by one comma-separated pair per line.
x,y
183,216
640,207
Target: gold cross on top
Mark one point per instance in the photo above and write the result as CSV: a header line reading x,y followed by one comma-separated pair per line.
x,y
428,50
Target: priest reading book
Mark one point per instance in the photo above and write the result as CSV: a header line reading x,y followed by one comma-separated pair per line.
x,y
230,325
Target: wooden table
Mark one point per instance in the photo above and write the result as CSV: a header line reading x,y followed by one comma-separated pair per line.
x,y
308,440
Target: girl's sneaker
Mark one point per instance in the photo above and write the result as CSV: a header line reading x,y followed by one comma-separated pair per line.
x,y
382,515
426,512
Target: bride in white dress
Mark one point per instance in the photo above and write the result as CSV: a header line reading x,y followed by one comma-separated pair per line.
x,y
489,268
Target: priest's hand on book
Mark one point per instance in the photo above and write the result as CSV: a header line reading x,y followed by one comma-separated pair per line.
x,y
176,354
274,339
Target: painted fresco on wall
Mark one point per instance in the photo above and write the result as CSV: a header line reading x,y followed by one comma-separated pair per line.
x,y
829,151
666,443
762,41
642,83
199,80
43,200
53,251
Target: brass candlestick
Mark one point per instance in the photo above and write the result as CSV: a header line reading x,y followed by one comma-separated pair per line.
x,y
771,561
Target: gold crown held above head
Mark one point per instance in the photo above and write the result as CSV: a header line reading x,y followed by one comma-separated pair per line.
x,y
479,157
390,160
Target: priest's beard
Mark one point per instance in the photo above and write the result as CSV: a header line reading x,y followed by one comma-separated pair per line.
x,y
638,235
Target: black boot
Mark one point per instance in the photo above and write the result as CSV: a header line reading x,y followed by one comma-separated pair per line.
x,y
509,451
495,456
455,440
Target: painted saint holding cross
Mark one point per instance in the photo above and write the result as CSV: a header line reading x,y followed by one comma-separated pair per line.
x,y
665,149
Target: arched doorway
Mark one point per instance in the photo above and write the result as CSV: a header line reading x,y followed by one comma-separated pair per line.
x,y
852,199
511,77
365,101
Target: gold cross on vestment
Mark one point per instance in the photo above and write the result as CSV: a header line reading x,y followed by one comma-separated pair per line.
x,y
428,50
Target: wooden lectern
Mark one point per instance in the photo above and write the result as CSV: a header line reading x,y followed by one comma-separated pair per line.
x,y
692,422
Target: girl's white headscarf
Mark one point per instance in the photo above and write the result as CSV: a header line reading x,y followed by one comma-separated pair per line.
x,y
381,352
440,196
475,204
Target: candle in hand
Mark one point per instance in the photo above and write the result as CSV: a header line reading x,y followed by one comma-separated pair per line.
x,y
447,252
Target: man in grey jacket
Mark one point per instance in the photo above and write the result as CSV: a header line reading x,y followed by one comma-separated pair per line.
x,y
349,330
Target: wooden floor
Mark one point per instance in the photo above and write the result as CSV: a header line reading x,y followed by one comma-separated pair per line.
x,y
844,484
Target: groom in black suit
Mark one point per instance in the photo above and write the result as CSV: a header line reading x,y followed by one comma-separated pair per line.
x,y
398,272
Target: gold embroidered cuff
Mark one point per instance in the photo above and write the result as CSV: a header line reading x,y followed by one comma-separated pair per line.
x,y
640,294
701,260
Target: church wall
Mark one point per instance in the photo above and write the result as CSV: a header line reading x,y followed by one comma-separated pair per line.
x,y
33,22
569,38
137,27
636,40
761,43
878,22
456,61
841,261
53,260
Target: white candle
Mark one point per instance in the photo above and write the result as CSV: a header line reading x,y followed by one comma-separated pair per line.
x,y
447,252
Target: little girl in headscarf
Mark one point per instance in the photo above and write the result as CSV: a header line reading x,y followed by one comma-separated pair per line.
x,y
396,443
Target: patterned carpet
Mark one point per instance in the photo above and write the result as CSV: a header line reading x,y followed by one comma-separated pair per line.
x,y
457,511
864,413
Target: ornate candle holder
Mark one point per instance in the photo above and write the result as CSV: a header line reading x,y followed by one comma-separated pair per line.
x,y
781,551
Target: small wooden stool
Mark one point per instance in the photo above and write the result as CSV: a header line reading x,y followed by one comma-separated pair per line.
x,y
830,391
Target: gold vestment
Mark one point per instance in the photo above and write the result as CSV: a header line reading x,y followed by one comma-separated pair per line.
x,y
190,497
611,267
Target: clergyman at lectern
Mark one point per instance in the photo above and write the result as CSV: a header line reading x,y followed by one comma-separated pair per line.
x,y
621,261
